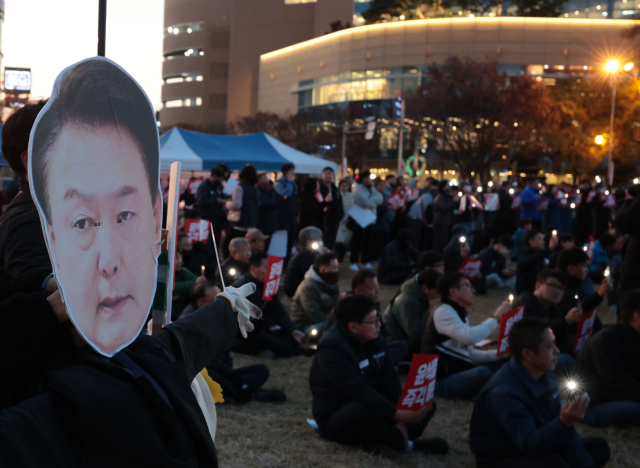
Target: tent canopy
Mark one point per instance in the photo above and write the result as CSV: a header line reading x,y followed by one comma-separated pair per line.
x,y
201,152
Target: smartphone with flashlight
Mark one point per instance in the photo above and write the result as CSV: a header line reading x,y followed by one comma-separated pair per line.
x,y
607,275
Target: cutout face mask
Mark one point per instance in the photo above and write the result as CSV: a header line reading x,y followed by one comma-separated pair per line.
x,y
94,176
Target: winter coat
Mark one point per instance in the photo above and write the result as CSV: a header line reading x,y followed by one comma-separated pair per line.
x,y
530,262
313,300
553,213
406,316
627,222
529,204
335,212
443,208
208,195
396,263
492,262
294,274
287,198
367,197
268,212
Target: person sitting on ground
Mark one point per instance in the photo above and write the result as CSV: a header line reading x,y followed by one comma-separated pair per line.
x,y
183,282
355,388
608,368
195,255
455,255
462,369
406,316
256,240
494,264
274,331
543,303
518,420
430,260
532,260
300,264
397,259
524,225
237,264
574,264
317,294
599,257
201,294
565,241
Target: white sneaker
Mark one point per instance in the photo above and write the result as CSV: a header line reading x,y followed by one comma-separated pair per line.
x,y
368,266
354,267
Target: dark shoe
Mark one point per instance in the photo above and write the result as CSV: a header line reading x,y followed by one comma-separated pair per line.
x,y
434,446
382,451
270,396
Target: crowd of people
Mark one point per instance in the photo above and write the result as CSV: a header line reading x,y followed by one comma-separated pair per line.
x,y
562,250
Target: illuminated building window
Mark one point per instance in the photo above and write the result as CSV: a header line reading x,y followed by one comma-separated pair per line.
x,y
294,2
182,102
184,52
184,28
183,77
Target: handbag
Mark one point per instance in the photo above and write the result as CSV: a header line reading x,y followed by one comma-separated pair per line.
x,y
233,216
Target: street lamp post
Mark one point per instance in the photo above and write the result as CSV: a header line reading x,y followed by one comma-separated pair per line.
x,y
102,27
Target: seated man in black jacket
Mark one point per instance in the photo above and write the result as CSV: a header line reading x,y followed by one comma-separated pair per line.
x,y
494,264
274,331
609,370
518,420
309,247
565,241
532,260
397,259
237,264
355,387
430,260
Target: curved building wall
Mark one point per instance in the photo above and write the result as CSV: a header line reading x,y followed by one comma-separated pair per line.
x,y
401,51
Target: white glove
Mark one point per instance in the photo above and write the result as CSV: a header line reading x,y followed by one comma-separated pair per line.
x,y
239,302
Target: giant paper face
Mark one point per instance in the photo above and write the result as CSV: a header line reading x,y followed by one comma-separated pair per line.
x,y
94,175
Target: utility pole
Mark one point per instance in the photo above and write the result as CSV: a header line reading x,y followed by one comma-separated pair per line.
x,y
401,138
102,27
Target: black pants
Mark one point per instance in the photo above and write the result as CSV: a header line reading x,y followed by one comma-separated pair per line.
x,y
379,241
279,343
361,244
597,447
240,383
354,424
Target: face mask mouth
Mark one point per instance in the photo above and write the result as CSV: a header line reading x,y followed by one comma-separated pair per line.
x,y
330,277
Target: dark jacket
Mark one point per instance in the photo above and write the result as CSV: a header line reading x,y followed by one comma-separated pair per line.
x,y
406,316
311,210
561,328
601,216
492,262
294,274
628,222
345,370
608,365
443,207
395,264
516,415
552,215
268,212
504,212
313,300
287,198
95,399
208,195
229,264
250,206
383,221
22,244
530,263
588,302
335,211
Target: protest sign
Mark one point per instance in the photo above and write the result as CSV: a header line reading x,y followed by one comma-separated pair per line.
x,y
194,183
491,202
470,268
507,321
198,229
277,252
94,174
590,246
590,197
585,328
610,201
421,383
543,204
515,204
229,185
396,200
362,216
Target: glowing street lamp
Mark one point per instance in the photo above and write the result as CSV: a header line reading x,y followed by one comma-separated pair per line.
x,y
599,140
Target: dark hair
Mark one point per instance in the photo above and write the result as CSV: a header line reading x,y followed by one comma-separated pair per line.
x,y
389,177
549,273
506,240
328,168
450,279
286,167
428,278
504,184
562,238
223,167
310,185
15,134
353,308
527,334
95,94
249,174
257,258
218,172
523,222
606,240
530,235
629,304
442,186
428,259
182,235
199,291
324,259
360,277
572,256
404,236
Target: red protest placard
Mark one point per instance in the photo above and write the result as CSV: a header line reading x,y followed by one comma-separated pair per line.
x,y
471,269
515,203
421,383
491,202
275,261
193,185
543,204
590,196
585,328
610,202
395,200
591,246
198,230
506,322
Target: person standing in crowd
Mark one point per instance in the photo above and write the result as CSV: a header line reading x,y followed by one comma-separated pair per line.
x,y
417,217
552,217
406,316
274,331
211,202
462,369
503,223
529,200
600,257
287,198
237,264
256,239
317,294
609,370
628,222
494,264
601,213
268,211
299,265
532,260
382,227
443,208
243,206
343,238
518,420
398,259
368,198
355,387
22,244
333,211
566,212
565,241
584,213
524,225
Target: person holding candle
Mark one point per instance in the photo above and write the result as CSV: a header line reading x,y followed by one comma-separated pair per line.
x,y
237,264
494,264
532,260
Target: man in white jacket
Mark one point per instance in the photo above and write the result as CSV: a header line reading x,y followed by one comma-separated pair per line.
x,y
369,198
462,369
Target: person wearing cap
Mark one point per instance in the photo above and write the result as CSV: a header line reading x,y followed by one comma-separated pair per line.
x,y
256,240
308,238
